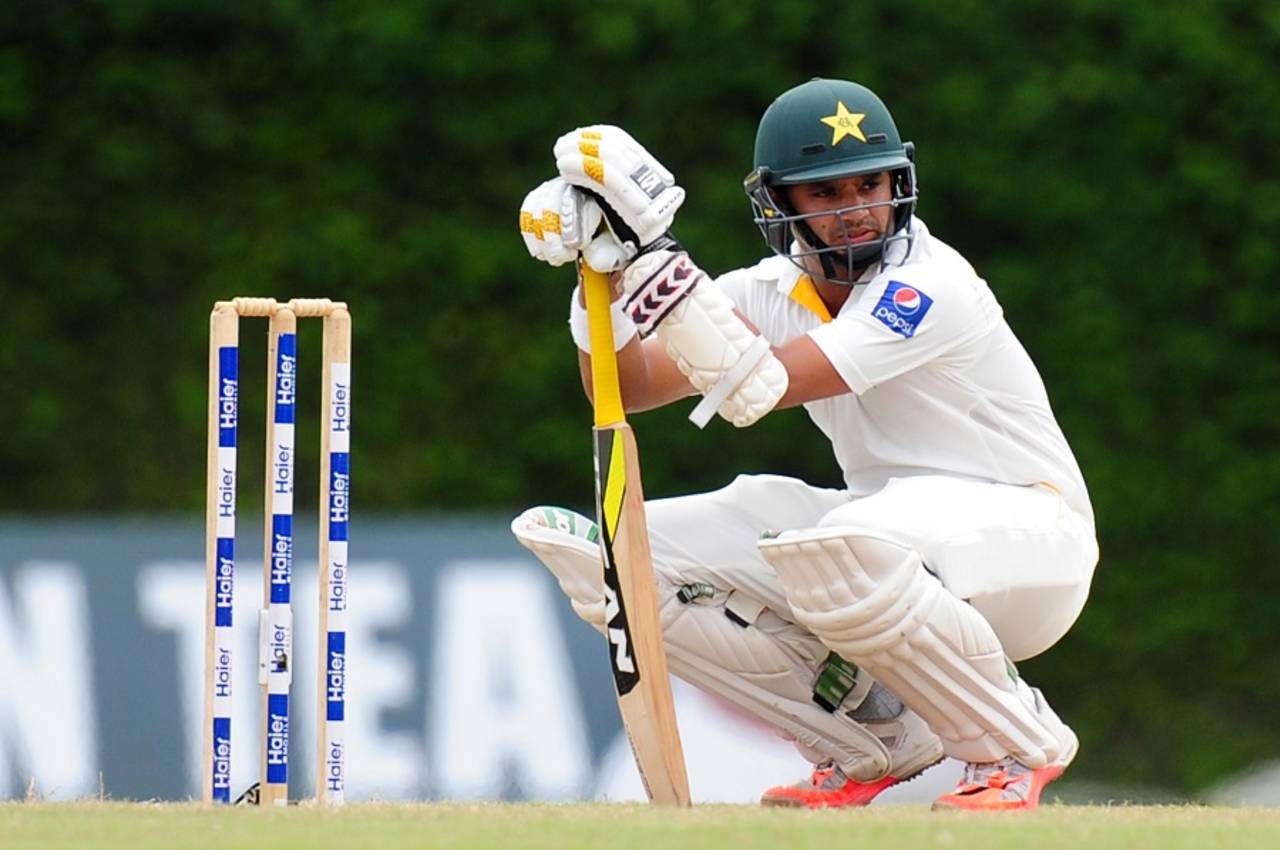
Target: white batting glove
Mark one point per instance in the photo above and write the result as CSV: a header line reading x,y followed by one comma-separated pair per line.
x,y
609,162
548,214
558,221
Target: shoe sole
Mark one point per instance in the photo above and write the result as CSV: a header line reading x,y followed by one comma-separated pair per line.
x,y
784,801
1044,776
1039,780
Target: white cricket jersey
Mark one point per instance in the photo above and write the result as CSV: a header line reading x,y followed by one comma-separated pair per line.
x,y
940,385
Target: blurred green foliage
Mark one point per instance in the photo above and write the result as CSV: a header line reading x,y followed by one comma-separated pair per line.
x,y
1110,167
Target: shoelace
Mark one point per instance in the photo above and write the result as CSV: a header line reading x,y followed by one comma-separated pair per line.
x,y
828,776
1004,775
996,774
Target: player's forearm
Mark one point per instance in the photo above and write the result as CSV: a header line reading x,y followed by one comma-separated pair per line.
x,y
811,375
647,376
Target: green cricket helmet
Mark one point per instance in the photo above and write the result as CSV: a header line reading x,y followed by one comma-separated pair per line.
x,y
828,130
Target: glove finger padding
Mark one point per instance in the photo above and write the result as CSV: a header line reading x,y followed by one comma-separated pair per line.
x,y
558,220
627,177
670,296
548,214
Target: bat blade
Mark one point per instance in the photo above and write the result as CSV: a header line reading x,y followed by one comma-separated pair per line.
x,y
634,629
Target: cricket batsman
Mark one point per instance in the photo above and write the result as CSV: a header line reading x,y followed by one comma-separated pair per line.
x,y
876,626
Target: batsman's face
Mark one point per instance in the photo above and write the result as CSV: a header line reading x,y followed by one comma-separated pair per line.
x,y
849,199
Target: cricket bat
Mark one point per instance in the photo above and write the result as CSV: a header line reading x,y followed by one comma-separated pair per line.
x,y
631,605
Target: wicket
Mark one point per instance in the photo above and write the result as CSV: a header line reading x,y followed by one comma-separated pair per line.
x,y
275,627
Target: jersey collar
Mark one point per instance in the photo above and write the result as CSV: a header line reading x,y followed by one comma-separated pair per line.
x,y
799,286
806,295
800,289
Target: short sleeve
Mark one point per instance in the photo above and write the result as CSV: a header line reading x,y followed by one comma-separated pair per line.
x,y
734,284
902,323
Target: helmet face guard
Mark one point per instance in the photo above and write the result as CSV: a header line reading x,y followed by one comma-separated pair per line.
x,y
789,234
822,131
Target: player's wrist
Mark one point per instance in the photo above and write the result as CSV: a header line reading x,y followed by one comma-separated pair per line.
x,y
624,328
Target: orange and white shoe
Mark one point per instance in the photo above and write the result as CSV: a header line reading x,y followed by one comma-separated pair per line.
x,y
1004,786
912,750
826,788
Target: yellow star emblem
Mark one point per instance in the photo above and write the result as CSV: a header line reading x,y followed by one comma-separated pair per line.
x,y
845,123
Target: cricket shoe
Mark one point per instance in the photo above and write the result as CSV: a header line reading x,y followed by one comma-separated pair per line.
x,y
1006,785
912,750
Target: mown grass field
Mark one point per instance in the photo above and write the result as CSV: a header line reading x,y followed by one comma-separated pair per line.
x,y
143,826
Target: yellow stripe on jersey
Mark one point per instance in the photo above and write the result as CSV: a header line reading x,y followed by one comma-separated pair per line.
x,y
806,295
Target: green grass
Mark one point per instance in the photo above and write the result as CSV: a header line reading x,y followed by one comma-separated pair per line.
x,y
143,826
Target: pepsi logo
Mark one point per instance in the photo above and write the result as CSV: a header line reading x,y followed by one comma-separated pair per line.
x,y
906,301
902,308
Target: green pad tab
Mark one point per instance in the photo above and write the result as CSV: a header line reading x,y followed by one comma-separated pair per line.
x,y
835,680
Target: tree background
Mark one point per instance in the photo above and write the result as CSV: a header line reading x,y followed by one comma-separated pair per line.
x,y
1109,167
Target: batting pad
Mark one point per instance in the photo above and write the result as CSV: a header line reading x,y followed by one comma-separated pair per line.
x,y
874,603
767,668
565,543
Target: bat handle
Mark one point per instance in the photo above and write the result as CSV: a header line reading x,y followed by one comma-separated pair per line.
x,y
604,360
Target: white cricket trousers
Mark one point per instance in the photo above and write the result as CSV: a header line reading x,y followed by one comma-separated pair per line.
x,y
1019,554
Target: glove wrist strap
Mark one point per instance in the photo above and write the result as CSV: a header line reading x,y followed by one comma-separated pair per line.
x,y
623,326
